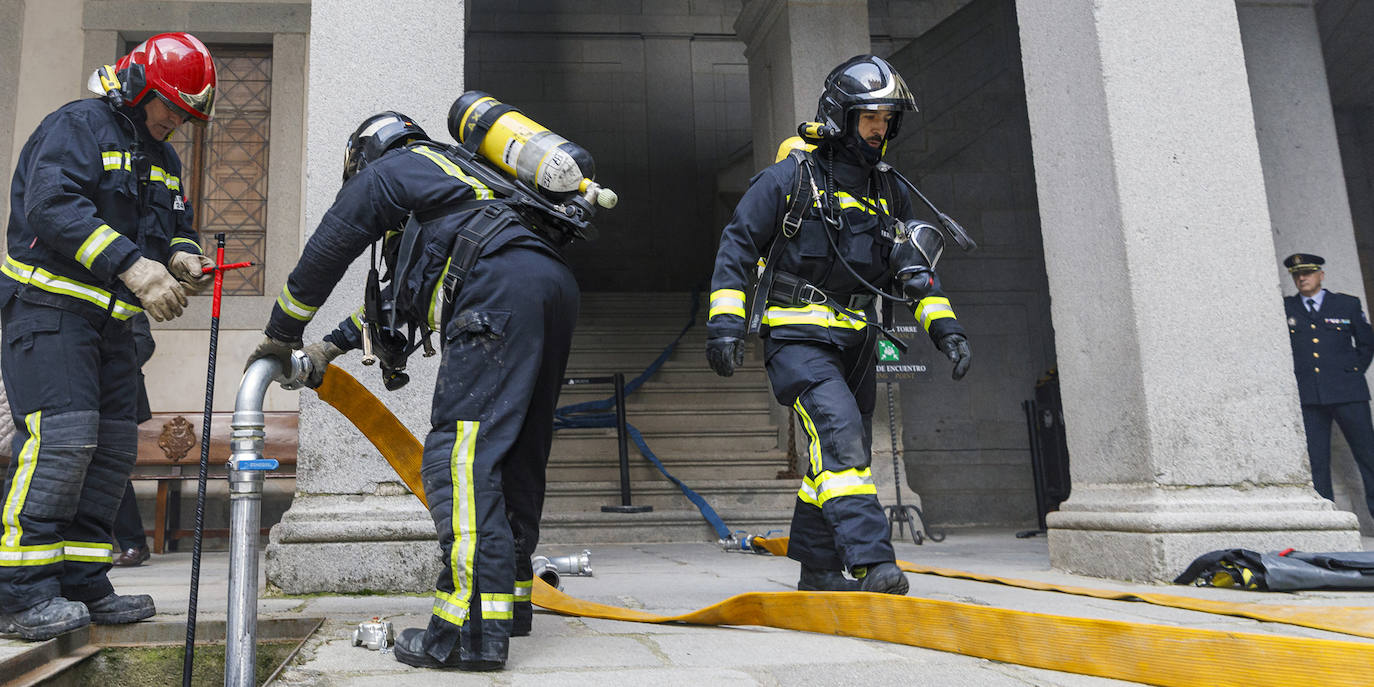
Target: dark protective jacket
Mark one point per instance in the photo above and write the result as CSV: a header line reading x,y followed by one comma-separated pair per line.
x,y
1331,349
421,179
868,203
89,197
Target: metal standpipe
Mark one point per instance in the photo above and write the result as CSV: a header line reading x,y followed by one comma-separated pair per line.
x,y
247,468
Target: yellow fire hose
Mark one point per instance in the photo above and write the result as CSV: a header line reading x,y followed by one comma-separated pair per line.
x,y
1139,652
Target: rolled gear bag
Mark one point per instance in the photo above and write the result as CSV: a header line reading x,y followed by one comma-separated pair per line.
x,y
1281,571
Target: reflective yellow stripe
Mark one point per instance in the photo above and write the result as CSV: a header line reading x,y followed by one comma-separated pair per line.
x,y
814,315
436,299
52,283
849,201
357,319
727,302
933,308
522,590
498,606
180,240
40,554
829,485
94,244
463,555
453,170
23,476
160,175
450,608
114,159
814,449
88,552
294,308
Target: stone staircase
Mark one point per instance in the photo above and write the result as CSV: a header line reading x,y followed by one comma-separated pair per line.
x,y
718,435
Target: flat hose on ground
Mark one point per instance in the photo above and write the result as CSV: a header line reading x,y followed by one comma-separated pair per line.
x,y
1140,652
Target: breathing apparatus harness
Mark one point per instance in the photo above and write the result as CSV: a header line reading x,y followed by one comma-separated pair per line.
x,y
917,244
555,223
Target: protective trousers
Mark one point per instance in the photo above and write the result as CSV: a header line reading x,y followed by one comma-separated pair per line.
x,y
72,388
1356,426
506,349
838,522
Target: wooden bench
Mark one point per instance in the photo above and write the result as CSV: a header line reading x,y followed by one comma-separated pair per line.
x,y
169,454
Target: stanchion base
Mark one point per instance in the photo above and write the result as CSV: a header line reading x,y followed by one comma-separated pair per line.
x,y
627,509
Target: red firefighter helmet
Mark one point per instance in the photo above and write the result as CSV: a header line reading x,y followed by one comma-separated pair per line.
x,y
176,67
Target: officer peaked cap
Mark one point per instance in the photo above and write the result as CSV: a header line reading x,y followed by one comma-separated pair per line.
x,y
1303,262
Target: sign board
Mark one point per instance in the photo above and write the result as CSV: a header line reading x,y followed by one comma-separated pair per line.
x,y
895,366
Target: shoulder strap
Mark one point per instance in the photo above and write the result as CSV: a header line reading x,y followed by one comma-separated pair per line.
x,y
803,188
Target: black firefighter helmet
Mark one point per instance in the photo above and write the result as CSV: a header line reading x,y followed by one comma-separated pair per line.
x,y
863,82
376,135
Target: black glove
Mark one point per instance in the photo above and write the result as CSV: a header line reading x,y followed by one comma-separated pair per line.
x,y
956,347
725,353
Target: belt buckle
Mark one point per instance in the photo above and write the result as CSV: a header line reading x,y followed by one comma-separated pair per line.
x,y
811,295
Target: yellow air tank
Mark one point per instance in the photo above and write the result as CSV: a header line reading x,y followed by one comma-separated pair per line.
x,y
524,149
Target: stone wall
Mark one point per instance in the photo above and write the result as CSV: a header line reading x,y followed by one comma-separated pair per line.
x,y
657,92
966,443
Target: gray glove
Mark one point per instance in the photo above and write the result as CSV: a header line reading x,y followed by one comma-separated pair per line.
x,y
724,353
189,269
275,349
321,354
162,295
955,346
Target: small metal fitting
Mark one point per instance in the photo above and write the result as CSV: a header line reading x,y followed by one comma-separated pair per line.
x,y
375,634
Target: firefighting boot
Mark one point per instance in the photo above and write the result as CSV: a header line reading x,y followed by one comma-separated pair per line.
x,y
46,620
410,650
884,578
113,609
818,580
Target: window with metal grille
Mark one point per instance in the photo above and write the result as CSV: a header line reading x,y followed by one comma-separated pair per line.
x,y
225,164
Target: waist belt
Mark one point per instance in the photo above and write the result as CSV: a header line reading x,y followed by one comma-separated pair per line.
x,y
789,290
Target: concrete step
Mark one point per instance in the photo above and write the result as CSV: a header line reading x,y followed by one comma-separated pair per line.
x,y
750,397
606,466
736,416
694,373
667,443
581,528
734,494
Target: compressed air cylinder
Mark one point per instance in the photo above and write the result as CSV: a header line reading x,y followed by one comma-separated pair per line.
x,y
520,146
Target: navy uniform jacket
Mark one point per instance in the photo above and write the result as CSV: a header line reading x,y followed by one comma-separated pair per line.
x,y
868,202
422,179
90,196
1331,349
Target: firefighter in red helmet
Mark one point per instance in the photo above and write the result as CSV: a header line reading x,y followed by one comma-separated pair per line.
x,y
99,231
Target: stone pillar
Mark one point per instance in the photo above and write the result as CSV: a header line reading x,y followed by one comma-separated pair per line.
x,y
1180,404
353,526
1303,178
791,45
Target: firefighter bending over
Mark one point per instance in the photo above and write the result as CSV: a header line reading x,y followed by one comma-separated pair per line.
x,y
836,229
484,273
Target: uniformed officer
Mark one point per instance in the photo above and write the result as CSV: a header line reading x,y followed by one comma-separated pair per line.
x,y
1332,348
506,331
818,340
99,230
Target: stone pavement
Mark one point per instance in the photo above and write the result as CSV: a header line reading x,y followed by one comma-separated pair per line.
x,y
677,578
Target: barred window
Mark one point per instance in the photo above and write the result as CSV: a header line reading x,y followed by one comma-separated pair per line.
x,y
225,164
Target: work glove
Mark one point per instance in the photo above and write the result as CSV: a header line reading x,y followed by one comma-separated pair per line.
x,y
725,353
321,354
189,269
277,350
956,347
162,295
